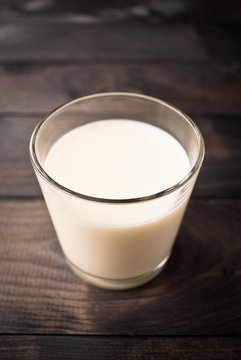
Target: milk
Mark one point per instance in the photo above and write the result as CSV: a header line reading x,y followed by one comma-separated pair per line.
x,y
116,159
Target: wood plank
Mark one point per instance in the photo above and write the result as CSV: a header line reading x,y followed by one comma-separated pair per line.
x,y
197,294
168,41
84,42
221,171
220,175
88,347
16,173
195,88
146,11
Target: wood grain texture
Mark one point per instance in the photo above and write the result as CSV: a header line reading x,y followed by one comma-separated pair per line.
x,y
74,347
16,173
166,42
41,41
84,42
212,88
197,294
134,11
220,175
169,42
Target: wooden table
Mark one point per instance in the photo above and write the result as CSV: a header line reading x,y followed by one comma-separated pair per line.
x,y
187,53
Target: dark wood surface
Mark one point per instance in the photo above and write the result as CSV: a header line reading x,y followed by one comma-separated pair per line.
x,y
203,88
119,348
187,53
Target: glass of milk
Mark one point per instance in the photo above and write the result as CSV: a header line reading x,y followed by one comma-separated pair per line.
x,y
116,171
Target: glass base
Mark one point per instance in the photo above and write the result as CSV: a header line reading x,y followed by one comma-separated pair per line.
x,y
118,284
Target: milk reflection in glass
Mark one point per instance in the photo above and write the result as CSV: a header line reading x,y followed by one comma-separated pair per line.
x,y
116,159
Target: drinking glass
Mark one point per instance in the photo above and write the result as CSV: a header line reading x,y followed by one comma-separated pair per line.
x,y
136,247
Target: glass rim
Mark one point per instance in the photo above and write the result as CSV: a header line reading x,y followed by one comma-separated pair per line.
x,y
38,167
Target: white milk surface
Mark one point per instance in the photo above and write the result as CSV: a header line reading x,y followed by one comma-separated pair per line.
x,y
117,159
